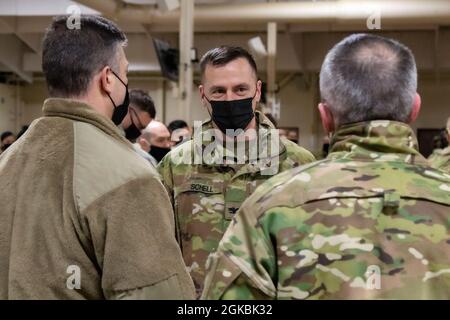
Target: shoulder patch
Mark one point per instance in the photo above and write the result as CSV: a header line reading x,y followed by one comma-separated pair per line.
x,y
102,164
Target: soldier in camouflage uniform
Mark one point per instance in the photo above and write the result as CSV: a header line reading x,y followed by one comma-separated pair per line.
x,y
207,194
440,158
370,221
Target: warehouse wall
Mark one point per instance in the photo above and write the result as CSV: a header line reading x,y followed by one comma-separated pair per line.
x,y
298,97
7,108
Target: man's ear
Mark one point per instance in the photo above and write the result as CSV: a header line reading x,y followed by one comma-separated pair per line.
x,y
326,117
258,91
415,108
106,80
144,144
201,90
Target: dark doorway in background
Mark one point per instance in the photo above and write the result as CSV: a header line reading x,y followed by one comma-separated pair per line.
x,y
426,140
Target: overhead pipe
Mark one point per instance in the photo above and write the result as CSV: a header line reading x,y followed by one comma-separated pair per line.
x,y
339,11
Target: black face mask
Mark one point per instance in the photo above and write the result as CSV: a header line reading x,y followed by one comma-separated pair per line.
x,y
132,132
121,110
158,153
232,114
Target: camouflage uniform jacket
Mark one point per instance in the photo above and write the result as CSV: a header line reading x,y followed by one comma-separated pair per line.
x,y
206,196
370,221
440,159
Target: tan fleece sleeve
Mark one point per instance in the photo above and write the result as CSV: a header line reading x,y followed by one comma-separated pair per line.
x,y
132,231
165,171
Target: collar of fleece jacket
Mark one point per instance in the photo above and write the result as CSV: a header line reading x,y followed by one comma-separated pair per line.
x,y
80,111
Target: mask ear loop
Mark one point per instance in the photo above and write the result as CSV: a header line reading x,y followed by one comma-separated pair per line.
x,y
204,96
210,114
136,115
126,86
256,91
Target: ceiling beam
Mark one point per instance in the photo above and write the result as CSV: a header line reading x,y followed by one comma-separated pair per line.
x,y
32,40
340,12
12,54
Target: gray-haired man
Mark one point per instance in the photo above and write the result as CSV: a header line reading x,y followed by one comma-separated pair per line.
x,y
368,222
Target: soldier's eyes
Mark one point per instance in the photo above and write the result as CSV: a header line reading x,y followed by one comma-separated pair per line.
x,y
242,90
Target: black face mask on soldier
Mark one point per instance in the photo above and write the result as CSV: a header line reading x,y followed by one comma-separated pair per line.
x,y
132,132
232,114
121,110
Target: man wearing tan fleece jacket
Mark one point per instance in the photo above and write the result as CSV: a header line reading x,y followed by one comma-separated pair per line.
x,y
82,215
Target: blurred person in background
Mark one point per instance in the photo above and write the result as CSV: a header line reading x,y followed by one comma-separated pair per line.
x,y
440,158
7,139
160,142
142,145
140,113
179,132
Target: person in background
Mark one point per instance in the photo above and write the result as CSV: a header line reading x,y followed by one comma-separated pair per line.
x,y
283,133
159,140
440,140
293,136
142,145
440,158
140,113
179,132
7,139
82,215
22,131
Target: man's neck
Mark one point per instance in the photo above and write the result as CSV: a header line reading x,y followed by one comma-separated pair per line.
x,y
96,103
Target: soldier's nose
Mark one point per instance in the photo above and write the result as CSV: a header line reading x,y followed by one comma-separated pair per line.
x,y
229,96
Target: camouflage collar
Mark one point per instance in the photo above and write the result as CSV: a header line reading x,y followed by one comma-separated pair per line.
x,y
262,122
378,140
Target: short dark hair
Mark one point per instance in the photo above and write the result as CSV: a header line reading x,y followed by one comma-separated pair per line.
x,y
143,102
71,56
225,54
367,77
22,131
177,124
5,135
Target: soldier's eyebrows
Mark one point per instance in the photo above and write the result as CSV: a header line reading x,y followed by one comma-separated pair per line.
x,y
240,85
216,88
